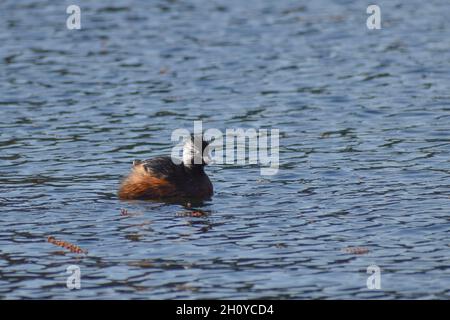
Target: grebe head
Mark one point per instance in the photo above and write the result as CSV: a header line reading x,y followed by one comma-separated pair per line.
x,y
195,152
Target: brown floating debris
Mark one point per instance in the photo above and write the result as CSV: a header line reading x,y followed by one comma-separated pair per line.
x,y
197,213
71,247
192,213
356,250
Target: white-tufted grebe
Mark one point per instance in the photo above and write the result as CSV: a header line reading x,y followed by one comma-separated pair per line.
x,y
160,178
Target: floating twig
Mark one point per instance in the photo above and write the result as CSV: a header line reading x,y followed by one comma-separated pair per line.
x,y
71,247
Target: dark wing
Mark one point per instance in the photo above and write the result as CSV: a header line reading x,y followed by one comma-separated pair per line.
x,y
162,167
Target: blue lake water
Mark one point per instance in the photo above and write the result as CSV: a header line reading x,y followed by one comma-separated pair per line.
x,y
364,120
